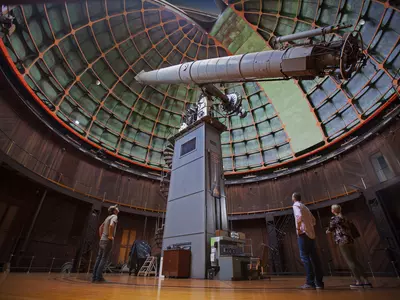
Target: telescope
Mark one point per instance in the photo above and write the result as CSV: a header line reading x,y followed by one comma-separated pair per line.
x,y
340,58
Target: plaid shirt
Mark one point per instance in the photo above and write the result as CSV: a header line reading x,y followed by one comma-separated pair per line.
x,y
340,227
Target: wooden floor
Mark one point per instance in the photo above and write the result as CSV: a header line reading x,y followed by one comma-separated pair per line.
x,y
43,286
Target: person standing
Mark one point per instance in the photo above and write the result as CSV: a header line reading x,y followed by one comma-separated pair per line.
x,y
305,223
107,233
341,228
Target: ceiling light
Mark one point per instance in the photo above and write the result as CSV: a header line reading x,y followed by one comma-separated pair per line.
x,y
154,173
280,170
314,158
97,82
249,176
349,141
76,122
361,22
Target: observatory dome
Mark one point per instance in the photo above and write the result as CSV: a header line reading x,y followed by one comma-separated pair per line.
x,y
78,61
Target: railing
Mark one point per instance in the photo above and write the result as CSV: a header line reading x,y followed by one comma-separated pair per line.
x,y
26,159
31,264
283,207
50,264
34,263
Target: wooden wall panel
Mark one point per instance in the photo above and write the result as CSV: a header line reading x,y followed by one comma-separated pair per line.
x,y
107,185
393,141
290,252
270,194
234,198
390,146
346,173
58,229
26,199
59,226
89,175
317,184
284,196
145,230
69,165
130,190
10,119
125,192
354,172
369,246
256,231
50,156
334,178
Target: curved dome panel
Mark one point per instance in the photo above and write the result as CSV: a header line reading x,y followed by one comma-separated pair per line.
x,y
339,107
258,140
79,60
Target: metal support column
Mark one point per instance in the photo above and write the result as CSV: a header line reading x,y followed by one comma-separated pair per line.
x,y
386,232
89,238
274,256
28,235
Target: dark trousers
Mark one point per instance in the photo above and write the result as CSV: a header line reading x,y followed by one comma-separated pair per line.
x,y
102,258
136,265
310,259
349,254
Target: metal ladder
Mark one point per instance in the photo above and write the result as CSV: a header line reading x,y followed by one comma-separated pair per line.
x,y
149,267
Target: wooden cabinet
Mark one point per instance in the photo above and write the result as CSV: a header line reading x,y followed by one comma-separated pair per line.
x,y
176,263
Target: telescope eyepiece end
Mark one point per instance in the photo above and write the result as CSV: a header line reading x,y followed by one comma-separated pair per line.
x,y
138,77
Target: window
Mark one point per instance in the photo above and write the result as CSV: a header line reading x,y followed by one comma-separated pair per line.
x,y
189,146
128,237
381,167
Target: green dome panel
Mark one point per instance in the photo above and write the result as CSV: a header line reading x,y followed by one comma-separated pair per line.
x,y
79,60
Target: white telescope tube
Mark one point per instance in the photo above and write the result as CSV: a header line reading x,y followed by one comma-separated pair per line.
x,y
302,61
297,61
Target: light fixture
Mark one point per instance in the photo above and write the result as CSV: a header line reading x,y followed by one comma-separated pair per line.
x,y
361,22
97,82
76,122
314,158
154,173
249,176
280,170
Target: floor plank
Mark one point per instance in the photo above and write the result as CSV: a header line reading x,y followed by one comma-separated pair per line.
x,y
16,286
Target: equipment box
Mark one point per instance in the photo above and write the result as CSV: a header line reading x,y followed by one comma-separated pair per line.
x,y
176,263
221,233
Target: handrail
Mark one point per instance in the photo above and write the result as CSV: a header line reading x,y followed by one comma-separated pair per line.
x,y
289,207
50,174
55,177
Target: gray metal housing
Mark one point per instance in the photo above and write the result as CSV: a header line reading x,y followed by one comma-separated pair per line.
x,y
192,211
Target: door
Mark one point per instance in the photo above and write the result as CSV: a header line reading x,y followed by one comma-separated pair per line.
x,y
128,237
